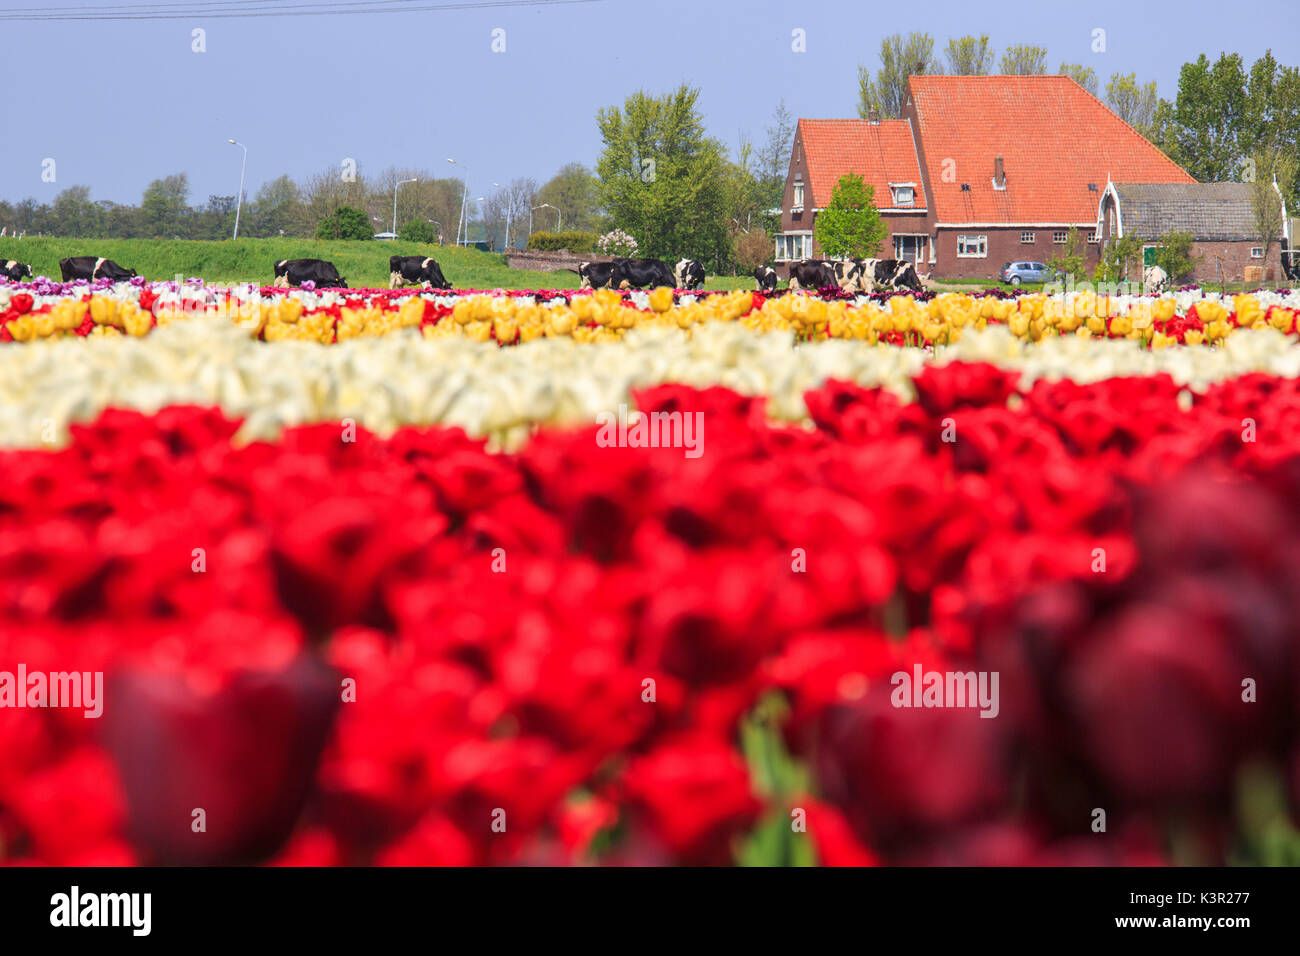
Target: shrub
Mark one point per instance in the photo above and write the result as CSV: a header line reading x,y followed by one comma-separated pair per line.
x,y
346,223
616,242
580,243
417,230
751,250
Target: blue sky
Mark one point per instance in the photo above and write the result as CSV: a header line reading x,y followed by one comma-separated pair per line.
x,y
117,104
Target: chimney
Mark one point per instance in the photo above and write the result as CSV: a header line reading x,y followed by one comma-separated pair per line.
x,y
873,117
999,174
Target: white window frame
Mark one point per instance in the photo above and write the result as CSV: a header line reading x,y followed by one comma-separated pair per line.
x,y
1027,238
1059,237
979,240
897,192
792,246
1257,252
797,204
1094,237
921,237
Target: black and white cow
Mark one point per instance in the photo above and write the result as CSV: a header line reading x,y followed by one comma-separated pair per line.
x,y
90,267
848,274
415,269
766,278
812,274
886,275
322,274
688,274
15,270
1154,279
640,274
593,275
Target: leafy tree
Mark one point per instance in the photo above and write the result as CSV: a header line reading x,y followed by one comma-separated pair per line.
x,y
749,250
275,208
1085,76
164,207
742,198
1174,254
74,214
900,57
574,191
969,56
1072,256
1117,258
347,222
1270,165
1023,60
851,224
417,230
1201,130
661,178
1133,103
773,160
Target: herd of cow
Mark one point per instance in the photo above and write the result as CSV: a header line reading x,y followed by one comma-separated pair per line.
x,y
852,275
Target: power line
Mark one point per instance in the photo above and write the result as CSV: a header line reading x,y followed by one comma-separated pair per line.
x,y
212,10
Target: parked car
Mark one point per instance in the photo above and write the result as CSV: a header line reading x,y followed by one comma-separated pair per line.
x,y
1018,272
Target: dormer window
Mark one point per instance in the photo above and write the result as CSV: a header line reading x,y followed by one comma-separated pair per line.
x,y
904,193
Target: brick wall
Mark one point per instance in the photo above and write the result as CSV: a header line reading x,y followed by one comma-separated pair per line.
x,y
1231,260
1004,245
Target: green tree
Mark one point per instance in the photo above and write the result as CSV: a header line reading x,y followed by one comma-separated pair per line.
x,y
574,191
417,230
900,57
164,207
1070,260
773,160
969,56
1118,257
1174,254
1085,76
1133,103
275,208
74,214
1273,177
851,225
1202,129
347,222
662,178
1023,60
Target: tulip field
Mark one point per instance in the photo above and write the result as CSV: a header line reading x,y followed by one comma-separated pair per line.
x,y
371,580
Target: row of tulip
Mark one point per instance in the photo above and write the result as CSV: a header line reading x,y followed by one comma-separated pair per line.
x,y
387,382
606,315
349,649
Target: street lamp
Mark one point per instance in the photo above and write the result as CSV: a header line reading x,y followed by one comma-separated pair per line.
x,y
545,205
400,182
239,200
464,196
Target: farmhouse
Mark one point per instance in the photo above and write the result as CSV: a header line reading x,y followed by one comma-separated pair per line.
x,y
1226,244
978,171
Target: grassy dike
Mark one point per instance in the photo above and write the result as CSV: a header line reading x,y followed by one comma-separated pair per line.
x,y
363,264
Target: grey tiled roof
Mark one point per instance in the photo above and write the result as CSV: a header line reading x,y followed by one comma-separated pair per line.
x,y
1211,212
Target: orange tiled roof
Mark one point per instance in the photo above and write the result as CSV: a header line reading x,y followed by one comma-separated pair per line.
x,y
881,153
1053,135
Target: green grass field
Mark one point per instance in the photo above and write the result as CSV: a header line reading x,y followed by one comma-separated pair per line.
x,y
362,264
